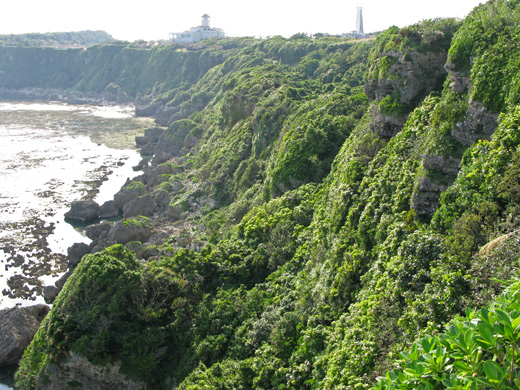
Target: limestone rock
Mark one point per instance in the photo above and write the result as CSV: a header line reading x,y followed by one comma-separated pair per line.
x,y
83,210
480,123
76,252
148,149
61,281
190,141
142,165
154,133
108,210
76,369
176,212
425,199
411,76
147,110
122,232
50,293
99,230
18,326
162,198
143,205
127,193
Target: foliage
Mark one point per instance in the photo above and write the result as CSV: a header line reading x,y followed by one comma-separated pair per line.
x,y
476,352
317,265
54,39
485,48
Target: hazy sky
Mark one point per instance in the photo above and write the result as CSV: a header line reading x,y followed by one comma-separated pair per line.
x,y
155,19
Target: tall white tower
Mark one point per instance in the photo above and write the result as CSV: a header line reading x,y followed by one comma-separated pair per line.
x,y
205,20
359,21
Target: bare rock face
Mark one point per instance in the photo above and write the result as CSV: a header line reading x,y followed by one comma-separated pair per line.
x,y
480,123
458,81
411,76
76,370
425,198
97,231
144,205
108,210
385,125
18,326
127,193
83,210
76,251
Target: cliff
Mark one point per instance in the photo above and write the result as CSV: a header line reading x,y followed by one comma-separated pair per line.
x,y
305,225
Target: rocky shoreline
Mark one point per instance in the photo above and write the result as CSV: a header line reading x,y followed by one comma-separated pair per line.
x,y
142,215
66,96
35,258
148,210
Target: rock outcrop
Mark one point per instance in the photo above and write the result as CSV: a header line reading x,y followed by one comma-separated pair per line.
x,y
410,77
18,326
77,370
122,232
83,210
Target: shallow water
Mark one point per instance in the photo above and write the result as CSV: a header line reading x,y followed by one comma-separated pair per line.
x,y
51,155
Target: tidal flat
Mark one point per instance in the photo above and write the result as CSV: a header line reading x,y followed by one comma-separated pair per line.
x,y
52,154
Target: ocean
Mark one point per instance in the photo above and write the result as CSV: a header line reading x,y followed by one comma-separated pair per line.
x,y
52,154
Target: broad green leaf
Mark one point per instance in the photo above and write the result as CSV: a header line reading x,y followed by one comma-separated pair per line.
x,y
461,366
493,371
503,317
486,333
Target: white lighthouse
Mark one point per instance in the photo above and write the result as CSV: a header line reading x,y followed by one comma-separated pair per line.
x,y
358,32
199,33
359,21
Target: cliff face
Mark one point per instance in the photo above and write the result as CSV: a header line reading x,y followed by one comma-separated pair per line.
x,y
301,234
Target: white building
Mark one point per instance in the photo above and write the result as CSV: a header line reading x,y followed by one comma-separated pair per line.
x,y
199,33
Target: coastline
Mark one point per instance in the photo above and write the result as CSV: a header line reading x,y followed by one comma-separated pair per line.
x,y
52,234
66,96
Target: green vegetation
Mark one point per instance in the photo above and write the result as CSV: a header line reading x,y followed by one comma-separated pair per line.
x,y
82,38
318,264
476,352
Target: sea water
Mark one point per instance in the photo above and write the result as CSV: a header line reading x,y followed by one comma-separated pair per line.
x,y
52,154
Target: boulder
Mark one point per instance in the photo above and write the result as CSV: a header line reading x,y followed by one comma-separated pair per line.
x,y
61,281
161,198
18,326
144,205
149,252
50,293
147,110
83,210
99,245
190,141
143,140
108,210
154,132
127,193
99,230
164,169
142,165
76,252
122,232
148,149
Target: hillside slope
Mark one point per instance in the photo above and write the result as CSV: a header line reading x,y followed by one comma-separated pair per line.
x,y
303,232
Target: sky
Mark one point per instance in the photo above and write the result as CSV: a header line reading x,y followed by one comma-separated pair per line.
x,y
155,19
